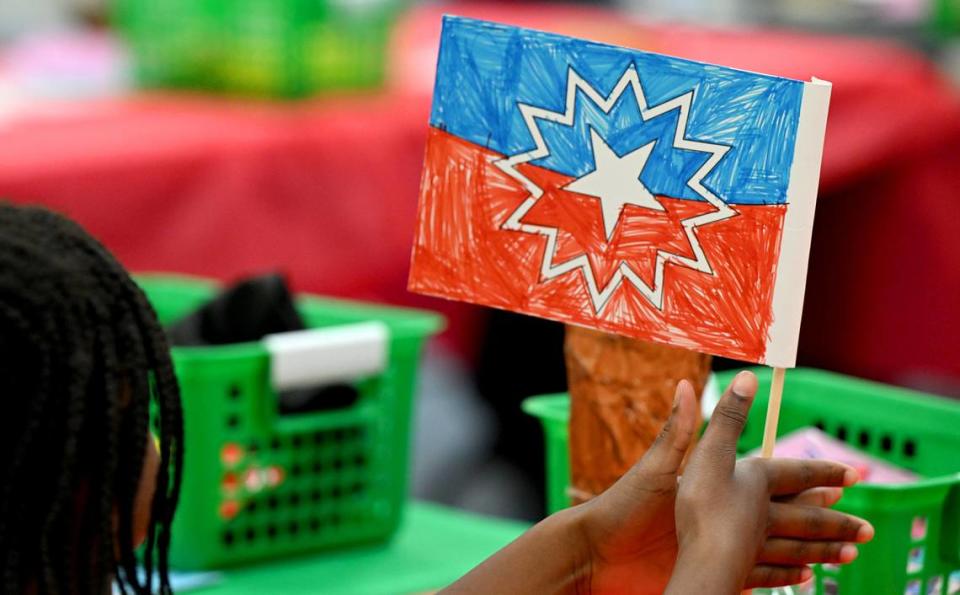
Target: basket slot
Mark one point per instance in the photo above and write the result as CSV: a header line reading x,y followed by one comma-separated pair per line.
x,y
950,529
330,397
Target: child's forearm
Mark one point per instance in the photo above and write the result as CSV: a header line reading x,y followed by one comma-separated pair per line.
x,y
550,558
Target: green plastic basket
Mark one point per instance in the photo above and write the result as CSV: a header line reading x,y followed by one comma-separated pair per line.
x,y
275,48
917,546
259,484
945,17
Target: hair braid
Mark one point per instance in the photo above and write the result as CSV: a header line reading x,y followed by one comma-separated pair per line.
x,y
151,352
86,357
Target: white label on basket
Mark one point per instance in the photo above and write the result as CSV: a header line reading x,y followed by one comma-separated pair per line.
x,y
953,585
319,356
935,585
918,529
915,560
913,588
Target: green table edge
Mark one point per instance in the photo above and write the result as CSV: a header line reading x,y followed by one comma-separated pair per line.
x,y
434,547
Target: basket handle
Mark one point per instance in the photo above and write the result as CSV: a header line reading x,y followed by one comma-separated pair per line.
x,y
302,359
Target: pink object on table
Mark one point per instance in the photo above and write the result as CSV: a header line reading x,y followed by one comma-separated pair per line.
x,y
66,65
811,443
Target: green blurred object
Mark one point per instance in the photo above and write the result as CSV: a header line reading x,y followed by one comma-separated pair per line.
x,y
946,17
267,48
917,545
434,547
260,484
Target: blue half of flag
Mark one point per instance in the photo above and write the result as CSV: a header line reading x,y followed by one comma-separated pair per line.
x,y
486,71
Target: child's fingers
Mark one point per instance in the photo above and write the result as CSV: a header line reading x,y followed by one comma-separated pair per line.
x,y
764,575
792,476
667,452
728,419
822,497
793,552
813,522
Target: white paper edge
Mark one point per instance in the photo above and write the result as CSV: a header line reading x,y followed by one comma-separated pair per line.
x,y
791,280
710,397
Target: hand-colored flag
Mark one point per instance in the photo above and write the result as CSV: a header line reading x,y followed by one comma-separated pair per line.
x,y
631,192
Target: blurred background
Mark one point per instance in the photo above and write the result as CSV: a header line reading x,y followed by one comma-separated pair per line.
x,y
231,137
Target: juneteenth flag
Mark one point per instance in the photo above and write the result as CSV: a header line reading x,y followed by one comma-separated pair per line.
x,y
631,192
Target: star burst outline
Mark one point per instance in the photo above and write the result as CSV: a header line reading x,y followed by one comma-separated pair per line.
x,y
630,79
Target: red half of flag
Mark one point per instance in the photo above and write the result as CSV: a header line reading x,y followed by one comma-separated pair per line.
x,y
462,251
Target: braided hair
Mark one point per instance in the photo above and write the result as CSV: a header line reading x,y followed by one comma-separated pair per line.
x,y
84,367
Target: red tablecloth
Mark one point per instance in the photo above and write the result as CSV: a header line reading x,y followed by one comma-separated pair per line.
x,y
327,189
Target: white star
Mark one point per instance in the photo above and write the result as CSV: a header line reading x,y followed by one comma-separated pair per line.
x,y
615,180
549,267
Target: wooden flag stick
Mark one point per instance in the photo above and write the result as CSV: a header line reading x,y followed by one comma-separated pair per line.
x,y
773,412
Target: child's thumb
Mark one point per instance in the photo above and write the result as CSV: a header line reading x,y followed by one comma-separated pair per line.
x,y
667,452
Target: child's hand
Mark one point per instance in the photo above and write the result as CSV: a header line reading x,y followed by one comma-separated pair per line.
x,y
721,506
756,522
